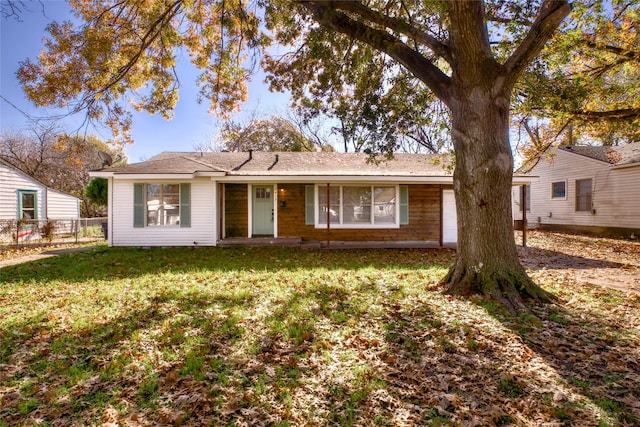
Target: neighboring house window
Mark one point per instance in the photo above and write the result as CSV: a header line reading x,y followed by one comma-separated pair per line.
x,y
359,206
559,190
27,204
162,205
583,195
528,188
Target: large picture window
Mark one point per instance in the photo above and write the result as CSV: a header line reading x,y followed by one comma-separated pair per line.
x,y
162,204
357,206
583,195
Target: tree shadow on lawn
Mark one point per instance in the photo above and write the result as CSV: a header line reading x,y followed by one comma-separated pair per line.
x,y
592,344
380,350
538,259
124,362
191,357
123,263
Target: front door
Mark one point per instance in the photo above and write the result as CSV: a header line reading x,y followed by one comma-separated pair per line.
x,y
262,210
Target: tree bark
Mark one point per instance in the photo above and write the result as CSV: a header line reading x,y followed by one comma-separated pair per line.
x,y
487,261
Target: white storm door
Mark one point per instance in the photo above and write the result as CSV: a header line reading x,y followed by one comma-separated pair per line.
x,y
449,218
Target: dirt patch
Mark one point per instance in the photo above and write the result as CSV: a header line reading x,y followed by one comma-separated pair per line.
x,y
36,254
588,260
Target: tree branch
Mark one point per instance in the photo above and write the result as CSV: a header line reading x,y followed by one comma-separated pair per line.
x,y
552,13
395,24
422,68
618,115
625,53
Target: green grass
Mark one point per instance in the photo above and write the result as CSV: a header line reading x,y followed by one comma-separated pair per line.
x,y
352,337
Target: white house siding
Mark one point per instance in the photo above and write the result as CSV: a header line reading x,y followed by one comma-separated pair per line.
x,y
615,194
62,206
203,217
11,181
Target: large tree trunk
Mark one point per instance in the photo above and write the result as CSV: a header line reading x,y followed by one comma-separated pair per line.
x,y
487,261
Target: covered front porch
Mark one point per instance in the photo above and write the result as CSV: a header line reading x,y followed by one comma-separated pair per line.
x,y
328,244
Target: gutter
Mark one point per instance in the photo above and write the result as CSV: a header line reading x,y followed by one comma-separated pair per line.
x,y
626,166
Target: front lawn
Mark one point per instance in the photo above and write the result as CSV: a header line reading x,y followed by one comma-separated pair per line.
x,y
282,336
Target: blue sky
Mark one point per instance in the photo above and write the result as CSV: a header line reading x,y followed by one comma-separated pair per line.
x,y
191,125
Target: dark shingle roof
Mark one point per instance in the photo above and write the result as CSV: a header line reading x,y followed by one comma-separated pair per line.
x,y
289,164
620,155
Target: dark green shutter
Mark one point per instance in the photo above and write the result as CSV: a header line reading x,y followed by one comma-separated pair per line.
x,y
310,205
138,205
185,205
404,204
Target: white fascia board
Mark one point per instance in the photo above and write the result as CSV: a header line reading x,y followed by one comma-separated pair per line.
x,y
395,179
627,166
520,180
151,176
100,174
158,176
209,174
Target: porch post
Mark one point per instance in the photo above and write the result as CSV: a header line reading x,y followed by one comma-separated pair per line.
x,y
328,214
524,215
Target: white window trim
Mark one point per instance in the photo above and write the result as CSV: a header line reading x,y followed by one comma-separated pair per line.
x,y
566,189
321,187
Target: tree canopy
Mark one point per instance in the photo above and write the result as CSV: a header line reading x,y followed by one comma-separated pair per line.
x,y
387,58
271,133
59,160
585,87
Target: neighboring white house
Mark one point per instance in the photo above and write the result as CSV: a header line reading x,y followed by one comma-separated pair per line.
x,y
585,189
23,197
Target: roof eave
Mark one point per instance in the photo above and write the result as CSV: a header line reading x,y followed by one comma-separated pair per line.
x,y
435,179
626,166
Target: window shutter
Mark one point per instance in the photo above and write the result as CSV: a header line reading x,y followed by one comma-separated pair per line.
x,y
404,204
309,199
138,205
185,205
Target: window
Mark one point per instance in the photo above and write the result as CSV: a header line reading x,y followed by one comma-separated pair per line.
x,y
559,190
528,188
162,205
360,206
263,193
27,204
583,195
331,212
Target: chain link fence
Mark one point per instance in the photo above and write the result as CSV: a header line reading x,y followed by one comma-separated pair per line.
x,y
15,233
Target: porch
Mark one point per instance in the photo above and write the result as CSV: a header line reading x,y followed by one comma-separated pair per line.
x,y
323,244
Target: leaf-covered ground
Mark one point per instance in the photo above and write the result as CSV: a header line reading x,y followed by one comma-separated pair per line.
x,y
280,336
